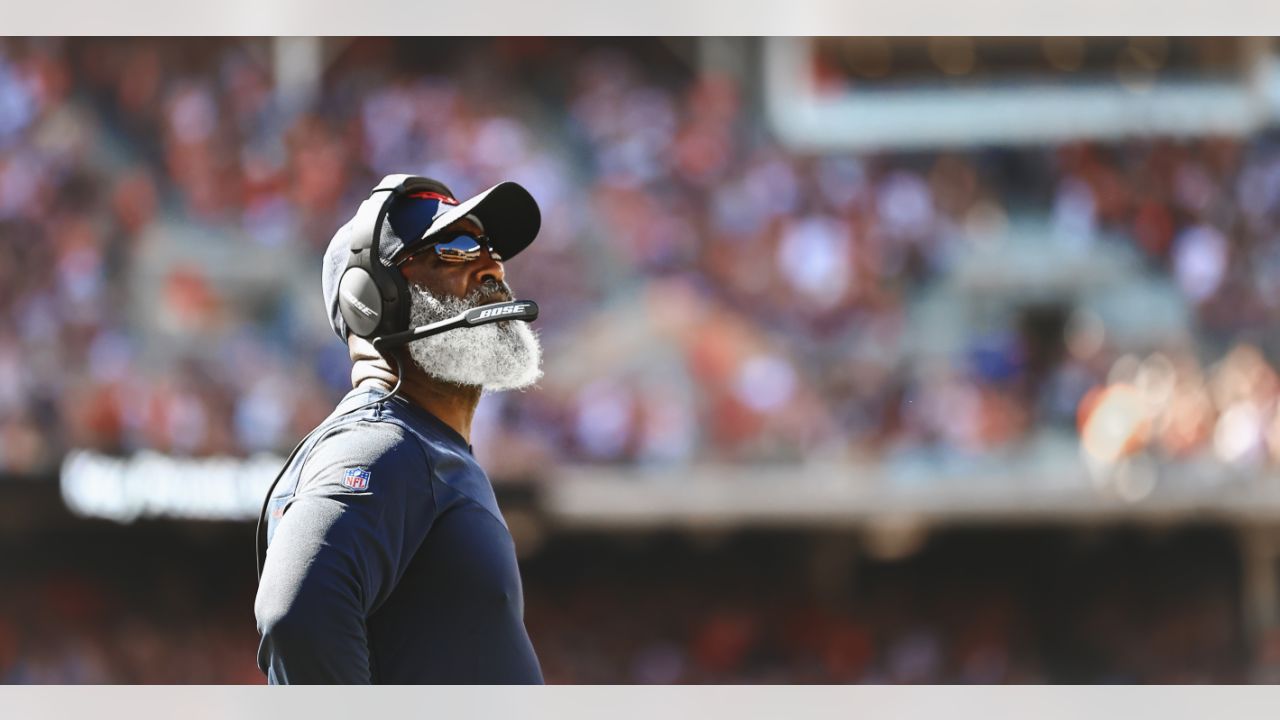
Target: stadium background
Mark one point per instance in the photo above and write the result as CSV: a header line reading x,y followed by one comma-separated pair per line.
x,y
869,360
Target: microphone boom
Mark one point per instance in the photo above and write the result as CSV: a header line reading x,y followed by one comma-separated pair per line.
x,y
523,310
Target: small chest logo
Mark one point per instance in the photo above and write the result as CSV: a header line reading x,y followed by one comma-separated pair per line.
x,y
356,479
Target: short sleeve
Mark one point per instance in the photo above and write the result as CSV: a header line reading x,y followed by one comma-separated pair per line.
x,y
361,507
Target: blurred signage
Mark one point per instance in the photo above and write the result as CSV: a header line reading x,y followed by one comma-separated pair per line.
x,y
154,485
1036,487
867,94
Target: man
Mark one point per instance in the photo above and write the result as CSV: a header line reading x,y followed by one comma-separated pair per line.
x,y
388,559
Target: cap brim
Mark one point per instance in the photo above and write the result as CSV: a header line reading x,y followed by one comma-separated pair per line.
x,y
510,216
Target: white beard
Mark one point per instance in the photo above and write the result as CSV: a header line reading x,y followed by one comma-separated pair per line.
x,y
504,355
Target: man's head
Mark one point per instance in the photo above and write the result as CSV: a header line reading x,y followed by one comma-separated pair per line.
x,y
450,255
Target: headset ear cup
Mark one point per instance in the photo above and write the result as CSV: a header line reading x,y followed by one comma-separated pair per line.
x,y
360,302
373,299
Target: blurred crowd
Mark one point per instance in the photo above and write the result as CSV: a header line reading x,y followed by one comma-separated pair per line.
x,y
669,613
97,603
707,294
901,632
985,607
69,629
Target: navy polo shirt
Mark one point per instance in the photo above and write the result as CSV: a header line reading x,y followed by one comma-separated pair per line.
x,y
388,560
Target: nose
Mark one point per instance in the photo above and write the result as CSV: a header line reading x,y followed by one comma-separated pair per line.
x,y
487,269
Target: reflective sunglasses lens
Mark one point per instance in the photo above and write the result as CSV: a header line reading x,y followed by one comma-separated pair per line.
x,y
463,248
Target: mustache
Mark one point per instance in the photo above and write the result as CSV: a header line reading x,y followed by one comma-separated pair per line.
x,y
490,292
440,306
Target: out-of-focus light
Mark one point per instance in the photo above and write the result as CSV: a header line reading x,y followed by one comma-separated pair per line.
x,y
824,244
1064,53
1085,334
1188,420
953,55
1201,256
1136,67
1114,422
895,538
1237,438
765,383
1243,374
1273,438
605,414
985,221
1135,479
1124,370
1155,379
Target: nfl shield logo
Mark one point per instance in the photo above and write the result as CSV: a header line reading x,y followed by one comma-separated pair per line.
x,y
356,479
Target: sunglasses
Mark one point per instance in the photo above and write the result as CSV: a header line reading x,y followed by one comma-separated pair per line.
x,y
461,247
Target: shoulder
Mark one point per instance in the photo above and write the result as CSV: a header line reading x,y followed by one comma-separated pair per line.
x,y
350,453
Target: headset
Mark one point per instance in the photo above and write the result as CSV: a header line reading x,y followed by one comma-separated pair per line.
x,y
375,304
373,298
